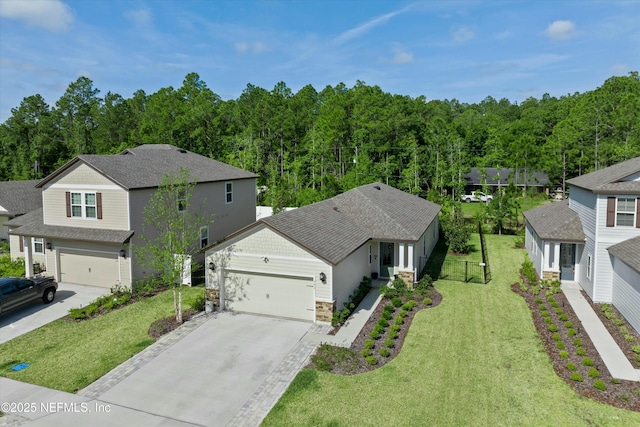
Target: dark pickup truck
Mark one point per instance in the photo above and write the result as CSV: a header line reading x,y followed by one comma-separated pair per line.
x,y
15,291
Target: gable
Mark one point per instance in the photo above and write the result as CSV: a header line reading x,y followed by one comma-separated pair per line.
x,y
264,241
80,174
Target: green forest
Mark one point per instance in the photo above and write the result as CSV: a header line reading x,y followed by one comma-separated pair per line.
x,y
309,145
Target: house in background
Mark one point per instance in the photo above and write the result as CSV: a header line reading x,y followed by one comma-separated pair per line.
x,y
305,263
93,211
17,198
594,238
479,178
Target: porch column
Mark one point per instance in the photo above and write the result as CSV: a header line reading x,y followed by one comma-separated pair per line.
x,y
556,256
401,256
221,289
546,256
410,257
28,258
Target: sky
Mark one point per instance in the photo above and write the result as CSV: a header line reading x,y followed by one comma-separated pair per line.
x,y
466,50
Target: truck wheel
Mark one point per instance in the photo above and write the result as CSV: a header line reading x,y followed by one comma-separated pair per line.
x,y
468,200
49,295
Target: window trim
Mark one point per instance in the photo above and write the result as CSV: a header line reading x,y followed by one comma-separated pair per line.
x,y
631,213
206,239
34,242
83,205
181,200
228,192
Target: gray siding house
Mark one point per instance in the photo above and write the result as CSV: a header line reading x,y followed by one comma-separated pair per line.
x,y
593,239
92,211
305,263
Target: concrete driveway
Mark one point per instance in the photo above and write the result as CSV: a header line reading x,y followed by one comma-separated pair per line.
x,y
35,314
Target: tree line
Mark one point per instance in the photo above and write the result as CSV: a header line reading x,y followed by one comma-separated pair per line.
x,y
308,145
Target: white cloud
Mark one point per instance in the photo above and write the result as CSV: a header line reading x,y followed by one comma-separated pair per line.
x,y
620,70
401,56
363,28
561,30
141,17
244,47
463,34
51,15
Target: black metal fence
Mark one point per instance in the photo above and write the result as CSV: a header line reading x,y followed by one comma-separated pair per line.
x,y
462,271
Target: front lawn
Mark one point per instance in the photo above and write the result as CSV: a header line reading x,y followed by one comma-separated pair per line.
x,y
476,359
69,355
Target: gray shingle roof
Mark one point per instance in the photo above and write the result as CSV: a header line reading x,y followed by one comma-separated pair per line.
x,y
19,197
628,252
608,179
556,222
31,224
495,176
145,166
334,228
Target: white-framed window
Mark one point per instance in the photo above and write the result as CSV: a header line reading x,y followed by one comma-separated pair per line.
x,y
182,200
626,212
84,205
370,254
204,236
228,192
38,245
588,266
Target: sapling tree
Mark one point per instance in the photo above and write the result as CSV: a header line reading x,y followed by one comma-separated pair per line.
x,y
171,233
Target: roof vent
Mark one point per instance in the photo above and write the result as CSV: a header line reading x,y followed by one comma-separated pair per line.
x,y
377,187
182,150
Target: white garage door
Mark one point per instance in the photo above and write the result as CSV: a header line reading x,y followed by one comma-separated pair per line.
x,y
89,268
282,296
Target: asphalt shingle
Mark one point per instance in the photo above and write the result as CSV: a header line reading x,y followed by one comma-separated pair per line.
x,y
601,181
19,197
556,222
628,252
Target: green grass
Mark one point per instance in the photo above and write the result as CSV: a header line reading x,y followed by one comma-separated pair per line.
x,y
476,359
470,210
68,356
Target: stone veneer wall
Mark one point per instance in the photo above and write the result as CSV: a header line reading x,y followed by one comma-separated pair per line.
x,y
550,275
213,295
407,276
324,311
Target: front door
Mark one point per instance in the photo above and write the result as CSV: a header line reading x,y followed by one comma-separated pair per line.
x,y
567,261
386,259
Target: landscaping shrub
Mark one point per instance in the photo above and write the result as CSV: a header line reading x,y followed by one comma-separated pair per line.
x,y
538,301
383,322
11,268
368,344
568,325
397,302
557,337
581,352
545,314
587,362
554,304
355,299
393,335
389,343
403,313
615,381
199,303
617,321
379,329
389,308
576,377
424,284
559,312
563,354
636,349
609,315
571,366
577,342
542,307
605,307
571,332
529,272
427,301
371,360
386,315
77,313
593,373
366,352
398,320
374,335
629,338
384,352
395,328
624,330
551,299
600,385
548,320
563,317
560,345
553,328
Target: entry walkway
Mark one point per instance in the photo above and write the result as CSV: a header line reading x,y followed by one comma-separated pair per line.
x,y
617,363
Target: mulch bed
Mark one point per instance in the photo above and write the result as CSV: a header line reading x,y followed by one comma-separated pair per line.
x,y
351,361
620,393
164,326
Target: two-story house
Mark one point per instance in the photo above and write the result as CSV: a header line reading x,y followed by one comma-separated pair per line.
x,y
594,238
93,211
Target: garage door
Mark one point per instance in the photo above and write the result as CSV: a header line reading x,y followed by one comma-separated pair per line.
x,y
89,268
273,295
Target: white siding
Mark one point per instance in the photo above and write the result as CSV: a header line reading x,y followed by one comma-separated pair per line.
x,y
626,292
582,265
534,247
115,208
348,274
583,202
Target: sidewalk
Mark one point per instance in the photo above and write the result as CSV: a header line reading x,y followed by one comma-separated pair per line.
x,y
617,363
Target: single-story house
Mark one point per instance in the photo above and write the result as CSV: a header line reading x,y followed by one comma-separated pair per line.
x,y
478,178
305,263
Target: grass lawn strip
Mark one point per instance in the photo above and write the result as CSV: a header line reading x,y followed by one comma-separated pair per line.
x,y
68,356
475,359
